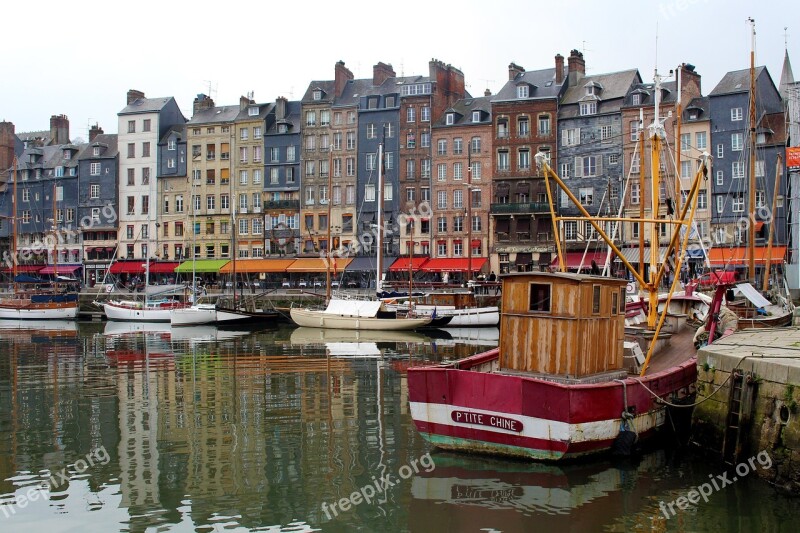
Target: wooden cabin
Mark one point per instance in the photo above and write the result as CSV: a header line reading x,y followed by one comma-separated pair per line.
x,y
561,324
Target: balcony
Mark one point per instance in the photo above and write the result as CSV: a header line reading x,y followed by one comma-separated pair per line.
x,y
282,204
529,207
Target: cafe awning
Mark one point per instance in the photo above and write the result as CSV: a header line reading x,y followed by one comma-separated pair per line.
x,y
163,267
453,264
573,259
127,267
62,269
250,266
318,264
720,256
367,264
201,265
402,264
22,268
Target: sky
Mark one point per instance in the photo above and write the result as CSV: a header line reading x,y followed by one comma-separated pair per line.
x,y
80,58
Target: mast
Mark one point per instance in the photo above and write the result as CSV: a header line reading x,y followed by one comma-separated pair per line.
x,y
642,188
751,237
328,248
55,232
379,253
234,229
469,217
768,260
678,173
14,229
656,130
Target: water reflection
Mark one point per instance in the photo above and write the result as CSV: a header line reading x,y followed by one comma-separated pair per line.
x,y
210,429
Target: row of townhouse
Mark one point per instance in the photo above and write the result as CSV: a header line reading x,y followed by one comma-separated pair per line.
x,y
298,173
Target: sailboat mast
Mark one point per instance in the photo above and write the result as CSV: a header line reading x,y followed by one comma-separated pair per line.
x,y
14,229
751,237
55,232
655,168
328,247
768,260
379,239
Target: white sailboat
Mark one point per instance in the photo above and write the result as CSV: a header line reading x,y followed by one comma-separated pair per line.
x,y
360,314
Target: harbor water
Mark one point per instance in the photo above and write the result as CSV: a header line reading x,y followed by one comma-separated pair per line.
x,y
140,428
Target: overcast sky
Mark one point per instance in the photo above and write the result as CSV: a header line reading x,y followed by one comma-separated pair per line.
x,y
80,58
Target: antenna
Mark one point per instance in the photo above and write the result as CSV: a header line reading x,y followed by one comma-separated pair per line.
x,y
786,37
212,88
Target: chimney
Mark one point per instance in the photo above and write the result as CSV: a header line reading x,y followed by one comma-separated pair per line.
x,y
59,129
449,86
280,108
690,83
134,95
559,69
487,92
202,102
341,75
94,131
382,72
6,146
576,67
244,102
513,70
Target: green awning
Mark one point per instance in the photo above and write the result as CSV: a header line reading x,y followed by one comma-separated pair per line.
x,y
201,265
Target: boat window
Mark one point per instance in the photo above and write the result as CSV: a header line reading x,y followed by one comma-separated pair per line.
x,y
595,299
614,303
622,300
539,297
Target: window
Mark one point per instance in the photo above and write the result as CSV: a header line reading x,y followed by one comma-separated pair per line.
x,y
224,201
476,116
131,205
738,202
588,108
441,224
458,146
350,166
720,150
145,149
476,170
324,118
410,193
179,203
369,193
323,194
372,131
700,140
760,168
211,202
350,194
720,204
737,141
685,141
605,133
94,191
613,159
146,124
131,126
351,140
564,170
411,140
458,172
311,118
502,160
425,114
145,234
146,176
371,161
586,195
458,199
425,139
523,91
196,202
586,166
310,168
571,137
411,114
458,248
702,199
171,162
544,124
635,194
737,169
290,154
596,299
441,199
502,128
475,145
425,193
131,150
388,191
524,159
411,168
686,169
523,127
450,119
243,177
760,199
720,177
636,99
441,147
736,113
425,168
539,299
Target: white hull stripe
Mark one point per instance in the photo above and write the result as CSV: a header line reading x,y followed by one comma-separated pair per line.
x,y
532,427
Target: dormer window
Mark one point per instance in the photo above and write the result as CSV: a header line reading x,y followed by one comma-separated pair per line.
x,y
588,108
636,99
450,119
252,111
96,151
171,144
67,154
476,116
283,128
523,91
317,94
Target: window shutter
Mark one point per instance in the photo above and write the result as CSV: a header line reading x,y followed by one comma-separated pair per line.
x,y
578,167
577,136
564,137
599,161
564,199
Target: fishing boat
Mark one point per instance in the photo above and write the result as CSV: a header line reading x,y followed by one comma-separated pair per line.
x,y
460,306
353,314
568,378
28,299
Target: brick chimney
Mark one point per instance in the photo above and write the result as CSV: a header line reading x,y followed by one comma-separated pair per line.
x,y
690,83
280,108
576,67
94,131
487,92
341,75
513,70
382,72
134,95
6,146
448,86
244,101
59,129
202,102
559,69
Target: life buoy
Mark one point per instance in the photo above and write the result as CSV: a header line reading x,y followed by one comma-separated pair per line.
x,y
109,287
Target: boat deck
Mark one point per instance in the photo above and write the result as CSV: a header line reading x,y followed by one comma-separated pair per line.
x,y
680,348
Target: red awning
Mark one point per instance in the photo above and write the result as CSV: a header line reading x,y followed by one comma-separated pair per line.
x,y
573,259
402,264
165,267
62,269
758,225
453,265
424,243
719,256
127,267
476,242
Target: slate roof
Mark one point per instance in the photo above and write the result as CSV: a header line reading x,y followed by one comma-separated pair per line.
x,y
263,111
44,135
327,88
736,81
352,92
293,117
219,114
464,108
146,105
669,94
180,129
615,87
542,82
108,139
699,105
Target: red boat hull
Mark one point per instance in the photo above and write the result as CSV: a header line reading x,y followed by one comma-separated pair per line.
x,y
461,408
